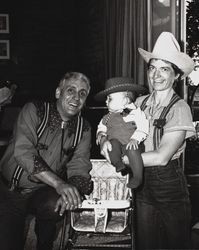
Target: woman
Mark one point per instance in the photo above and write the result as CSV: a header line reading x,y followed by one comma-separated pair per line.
x,y
162,202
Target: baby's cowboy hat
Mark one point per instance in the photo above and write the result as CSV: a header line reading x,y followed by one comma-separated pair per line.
x,y
167,48
119,84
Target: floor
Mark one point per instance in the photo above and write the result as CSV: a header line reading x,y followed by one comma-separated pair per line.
x,y
31,238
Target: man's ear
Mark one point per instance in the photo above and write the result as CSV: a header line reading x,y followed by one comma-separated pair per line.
x,y
57,93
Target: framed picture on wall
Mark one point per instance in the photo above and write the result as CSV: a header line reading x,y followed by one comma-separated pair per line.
x,y
4,23
4,49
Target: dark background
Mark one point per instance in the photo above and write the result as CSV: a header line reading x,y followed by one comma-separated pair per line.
x,y
49,38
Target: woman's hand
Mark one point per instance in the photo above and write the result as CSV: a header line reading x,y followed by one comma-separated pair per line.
x,y
132,143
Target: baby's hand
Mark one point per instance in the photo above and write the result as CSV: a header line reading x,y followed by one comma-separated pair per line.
x,y
132,143
105,147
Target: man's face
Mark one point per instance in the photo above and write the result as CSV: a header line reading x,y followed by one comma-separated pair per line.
x,y
161,75
71,98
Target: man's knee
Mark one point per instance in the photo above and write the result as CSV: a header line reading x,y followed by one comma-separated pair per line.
x,y
44,201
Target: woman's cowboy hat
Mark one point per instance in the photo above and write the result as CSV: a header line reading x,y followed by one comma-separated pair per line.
x,y
119,84
167,48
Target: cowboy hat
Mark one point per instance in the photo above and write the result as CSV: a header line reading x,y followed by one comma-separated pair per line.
x,y
167,48
119,84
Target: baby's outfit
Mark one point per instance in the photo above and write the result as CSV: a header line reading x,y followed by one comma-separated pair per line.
x,y
119,128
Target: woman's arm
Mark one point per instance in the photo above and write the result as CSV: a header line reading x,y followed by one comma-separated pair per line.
x,y
169,145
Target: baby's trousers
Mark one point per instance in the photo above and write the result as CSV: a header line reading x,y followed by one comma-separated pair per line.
x,y
134,156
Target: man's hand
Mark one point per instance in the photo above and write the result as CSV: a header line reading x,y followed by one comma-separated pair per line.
x,y
69,195
105,147
132,143
70,198
61,206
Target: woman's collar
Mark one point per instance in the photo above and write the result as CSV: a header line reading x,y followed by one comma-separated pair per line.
x,y
164,103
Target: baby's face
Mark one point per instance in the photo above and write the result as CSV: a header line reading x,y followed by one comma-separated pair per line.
x,y
116,101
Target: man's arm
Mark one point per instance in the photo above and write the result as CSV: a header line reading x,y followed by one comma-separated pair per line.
x,y
27,156
69,193
78,169
25,138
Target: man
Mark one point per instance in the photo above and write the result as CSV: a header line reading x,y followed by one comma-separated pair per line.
x,y
44,170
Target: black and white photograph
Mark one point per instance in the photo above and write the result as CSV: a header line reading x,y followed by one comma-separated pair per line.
x,y
99,125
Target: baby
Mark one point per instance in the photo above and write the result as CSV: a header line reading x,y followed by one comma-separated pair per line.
x,y
124,127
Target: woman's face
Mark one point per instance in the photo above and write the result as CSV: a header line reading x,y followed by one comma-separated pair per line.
x,y
161,75
116,101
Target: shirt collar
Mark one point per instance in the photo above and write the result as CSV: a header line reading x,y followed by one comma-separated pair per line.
x,y
165,103
55,119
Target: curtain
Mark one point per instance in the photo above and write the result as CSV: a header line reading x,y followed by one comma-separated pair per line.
x,y
125,31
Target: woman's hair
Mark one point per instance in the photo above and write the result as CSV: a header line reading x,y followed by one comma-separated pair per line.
x,y
74,76
177,70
